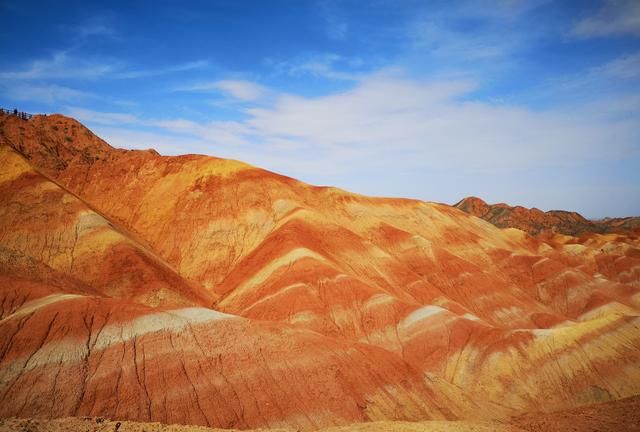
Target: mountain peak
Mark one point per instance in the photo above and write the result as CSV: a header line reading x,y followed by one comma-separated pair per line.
x,y
53,142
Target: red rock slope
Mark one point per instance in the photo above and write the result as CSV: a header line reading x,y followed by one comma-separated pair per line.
x,y
205,291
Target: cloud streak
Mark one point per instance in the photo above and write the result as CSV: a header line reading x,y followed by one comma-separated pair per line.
x,y
47,93
615,17
237,89
61,65
320,66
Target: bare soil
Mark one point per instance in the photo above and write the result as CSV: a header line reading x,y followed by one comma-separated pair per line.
x,y
617,416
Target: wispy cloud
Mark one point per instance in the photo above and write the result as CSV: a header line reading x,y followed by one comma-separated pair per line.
x,y
336,25
624,67
615,17
103,118
62,65
143,73
323,65
617,82
137,139
394,121
237,89
226,133
243,90
46,93
441,41
471,38
96,27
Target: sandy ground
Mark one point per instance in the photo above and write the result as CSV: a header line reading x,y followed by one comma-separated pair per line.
x,y
618,416
71,424
99,425
622,415
429,426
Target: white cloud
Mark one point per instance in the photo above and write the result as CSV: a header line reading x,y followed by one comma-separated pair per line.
x,y
237,89
394,122
243,90
616,17
407,123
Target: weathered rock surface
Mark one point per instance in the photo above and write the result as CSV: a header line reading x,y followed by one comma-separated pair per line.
x,y
205,291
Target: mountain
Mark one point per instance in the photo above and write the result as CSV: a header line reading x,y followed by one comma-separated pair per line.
x,y
536,222
205,291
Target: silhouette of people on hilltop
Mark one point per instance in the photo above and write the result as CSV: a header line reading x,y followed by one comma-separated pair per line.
x,y
20,114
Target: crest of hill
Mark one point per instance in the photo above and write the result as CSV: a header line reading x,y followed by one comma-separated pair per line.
x,y
61,147
54,142
57,144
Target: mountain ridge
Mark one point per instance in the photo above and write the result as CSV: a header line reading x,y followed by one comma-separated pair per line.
x,y
538,222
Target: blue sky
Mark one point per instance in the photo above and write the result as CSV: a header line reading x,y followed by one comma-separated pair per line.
x,y
529,102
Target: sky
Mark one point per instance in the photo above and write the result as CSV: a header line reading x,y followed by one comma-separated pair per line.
x,y
528,102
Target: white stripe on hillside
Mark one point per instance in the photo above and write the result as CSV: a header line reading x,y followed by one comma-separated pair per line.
x,y
33,305
73,349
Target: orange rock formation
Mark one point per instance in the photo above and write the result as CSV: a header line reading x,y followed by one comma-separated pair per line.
x,y
205,291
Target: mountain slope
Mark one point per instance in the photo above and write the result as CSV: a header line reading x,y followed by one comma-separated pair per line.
x,y
42,222
78,336
389,308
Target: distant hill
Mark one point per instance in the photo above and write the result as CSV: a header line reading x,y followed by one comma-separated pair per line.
x,y
536,222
